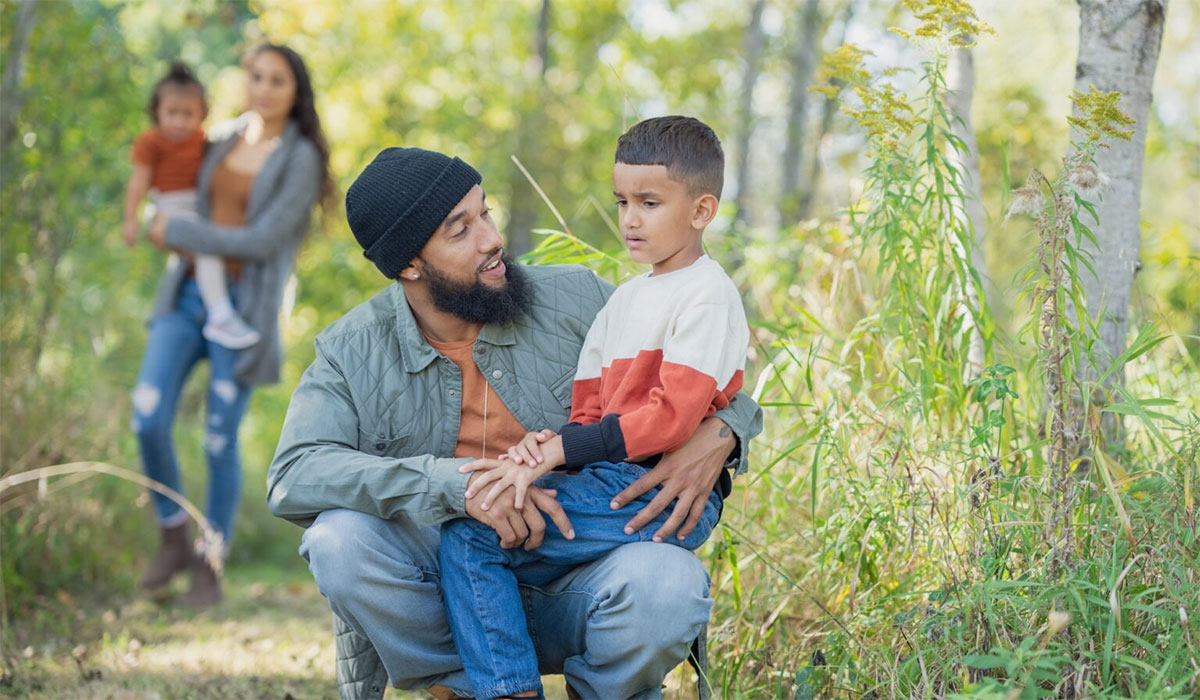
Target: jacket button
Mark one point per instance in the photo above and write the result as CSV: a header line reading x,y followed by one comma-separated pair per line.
x,y
380,445
453,392
449,510
496,374
481,351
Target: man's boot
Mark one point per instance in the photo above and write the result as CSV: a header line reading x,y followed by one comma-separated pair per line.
x,y
174,555
206,586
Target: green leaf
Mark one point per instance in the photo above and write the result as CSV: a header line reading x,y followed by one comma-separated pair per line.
x,y
984,662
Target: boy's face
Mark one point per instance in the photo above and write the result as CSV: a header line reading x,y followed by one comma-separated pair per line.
x,y
660,220
180,113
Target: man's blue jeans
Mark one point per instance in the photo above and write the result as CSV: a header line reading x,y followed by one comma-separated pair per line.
x,y
615,627
173,349
480,579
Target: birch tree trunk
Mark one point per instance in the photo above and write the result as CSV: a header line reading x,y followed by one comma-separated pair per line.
x,y
1119,41
829,109
960,85
751,51
523,202
803,59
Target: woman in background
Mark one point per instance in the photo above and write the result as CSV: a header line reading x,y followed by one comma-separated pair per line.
x,y
257,188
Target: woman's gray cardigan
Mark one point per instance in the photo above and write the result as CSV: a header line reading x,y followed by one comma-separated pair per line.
x,y
277,216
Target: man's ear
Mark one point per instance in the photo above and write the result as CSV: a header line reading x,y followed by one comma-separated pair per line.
x,y
410,272
704,210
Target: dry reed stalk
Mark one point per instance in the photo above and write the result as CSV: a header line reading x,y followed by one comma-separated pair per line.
x,y
212,541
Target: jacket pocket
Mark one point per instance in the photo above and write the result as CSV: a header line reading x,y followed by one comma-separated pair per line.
x,y
373,443
561,390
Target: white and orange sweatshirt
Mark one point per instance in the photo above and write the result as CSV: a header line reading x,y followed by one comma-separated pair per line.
x,y
664,353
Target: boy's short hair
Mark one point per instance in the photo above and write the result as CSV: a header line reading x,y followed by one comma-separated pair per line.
x,y
686,146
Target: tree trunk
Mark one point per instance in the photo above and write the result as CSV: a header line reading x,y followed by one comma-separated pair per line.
x,y
803,59
523,201
960,85
829,109
751,51
14,69
1119,42
812,182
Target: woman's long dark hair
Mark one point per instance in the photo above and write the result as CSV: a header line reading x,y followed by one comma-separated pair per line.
x,y
304,111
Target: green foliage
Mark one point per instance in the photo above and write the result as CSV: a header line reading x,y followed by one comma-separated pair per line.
x,y
891,539
1100,116
950,23
991,385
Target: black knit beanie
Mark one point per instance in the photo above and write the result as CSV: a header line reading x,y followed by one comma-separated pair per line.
x,y
400,199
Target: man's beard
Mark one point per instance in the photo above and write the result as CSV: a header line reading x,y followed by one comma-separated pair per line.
x,y
476,302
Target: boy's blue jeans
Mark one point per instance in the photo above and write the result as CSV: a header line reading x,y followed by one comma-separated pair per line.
x,y
173,348
480,579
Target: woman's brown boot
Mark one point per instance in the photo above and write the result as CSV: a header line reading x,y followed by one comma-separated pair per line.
x,y
174,555
206,586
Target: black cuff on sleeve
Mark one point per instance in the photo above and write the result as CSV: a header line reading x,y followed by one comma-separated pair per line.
x,y
598,442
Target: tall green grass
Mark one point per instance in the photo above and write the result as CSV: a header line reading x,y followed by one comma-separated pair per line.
x,y
914,525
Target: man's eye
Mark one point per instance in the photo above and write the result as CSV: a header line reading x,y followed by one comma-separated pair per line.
x,y
621,202
649,204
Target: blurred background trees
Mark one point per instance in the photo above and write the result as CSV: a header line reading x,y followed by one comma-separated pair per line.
x,y
553,83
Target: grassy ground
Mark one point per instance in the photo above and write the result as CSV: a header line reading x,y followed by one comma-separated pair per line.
x,y
270,638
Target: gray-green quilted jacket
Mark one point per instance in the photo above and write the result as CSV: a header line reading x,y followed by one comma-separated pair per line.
x,y
376,413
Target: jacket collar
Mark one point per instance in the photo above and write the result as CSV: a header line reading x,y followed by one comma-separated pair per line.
x,y
416,353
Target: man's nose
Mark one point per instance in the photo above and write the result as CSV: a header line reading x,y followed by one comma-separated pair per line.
x,y
491,238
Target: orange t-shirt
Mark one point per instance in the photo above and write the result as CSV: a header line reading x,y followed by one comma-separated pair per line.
x,y
229,196
175,164
503,428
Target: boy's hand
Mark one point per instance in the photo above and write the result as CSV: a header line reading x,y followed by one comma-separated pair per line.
x,y
529,449
129,232
501,474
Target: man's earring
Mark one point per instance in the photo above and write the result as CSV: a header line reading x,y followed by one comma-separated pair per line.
x,y
415,275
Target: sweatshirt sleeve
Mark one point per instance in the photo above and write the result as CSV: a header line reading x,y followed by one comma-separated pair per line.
x,y
700,370
585,391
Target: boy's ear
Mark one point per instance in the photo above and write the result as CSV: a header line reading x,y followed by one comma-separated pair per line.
x,y
704,210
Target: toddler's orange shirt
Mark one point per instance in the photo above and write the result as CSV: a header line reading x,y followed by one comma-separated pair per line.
x,y
175,164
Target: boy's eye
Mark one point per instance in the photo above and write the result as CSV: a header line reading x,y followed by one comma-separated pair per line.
x,y
621,202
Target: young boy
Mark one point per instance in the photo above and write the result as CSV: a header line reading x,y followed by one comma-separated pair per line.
x,y
666,351
166,161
